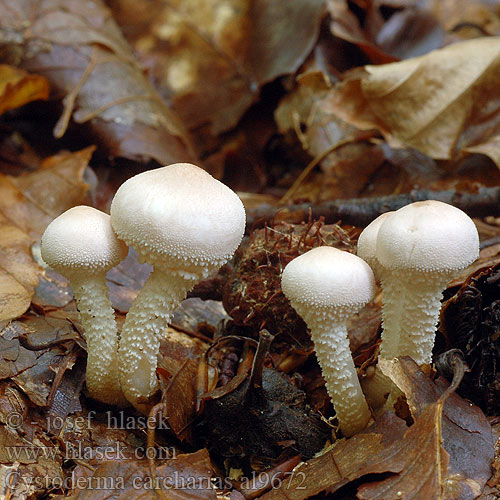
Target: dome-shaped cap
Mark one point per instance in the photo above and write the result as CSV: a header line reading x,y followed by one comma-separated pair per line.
x,y
180,212
82,239
428,236
326,277
367,241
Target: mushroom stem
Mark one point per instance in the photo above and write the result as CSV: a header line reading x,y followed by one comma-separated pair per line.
x,y
421,303
335,358
142,330
395,293
98,321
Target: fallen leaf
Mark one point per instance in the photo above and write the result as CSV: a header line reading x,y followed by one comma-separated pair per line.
x,y
348,460
443,103
213,57
31,369
17,87
445,454
187,477
180,356
28,203
466,18
88,63
455,432
30,462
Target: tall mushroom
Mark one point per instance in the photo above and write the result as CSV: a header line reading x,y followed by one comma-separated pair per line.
x,y
326,286
187,225
80,244
421,247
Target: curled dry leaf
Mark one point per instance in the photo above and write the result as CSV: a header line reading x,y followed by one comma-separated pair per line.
x,y
17,87
212,57
443,103
28,203
82,53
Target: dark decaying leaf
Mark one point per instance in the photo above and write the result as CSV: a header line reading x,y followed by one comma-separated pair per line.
x,y
409,32
470,321
83,55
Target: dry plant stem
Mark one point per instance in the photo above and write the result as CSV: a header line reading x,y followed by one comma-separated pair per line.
x,y
97,314
142,330
342,383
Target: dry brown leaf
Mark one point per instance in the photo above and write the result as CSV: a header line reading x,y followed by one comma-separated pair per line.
x,y
212,57
180,355
455,433
82,53
467,18
28,203
17,87
443,104
347,461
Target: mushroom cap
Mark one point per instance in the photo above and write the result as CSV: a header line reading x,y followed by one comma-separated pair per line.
x,y
428,236
367,241
179,213
82,239
325,278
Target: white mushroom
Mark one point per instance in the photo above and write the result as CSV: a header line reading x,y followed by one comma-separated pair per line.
x,y
367,250
80,244
187,225
421,246
326,286
367,243
376,385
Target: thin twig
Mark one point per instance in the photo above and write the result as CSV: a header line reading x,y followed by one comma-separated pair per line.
x,y
361,211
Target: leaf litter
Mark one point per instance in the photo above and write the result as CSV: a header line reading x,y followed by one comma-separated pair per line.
x,y
258,85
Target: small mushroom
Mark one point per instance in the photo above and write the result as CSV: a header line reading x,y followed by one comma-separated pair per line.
x,y
187,225
326,286
367,244
80,244
420,248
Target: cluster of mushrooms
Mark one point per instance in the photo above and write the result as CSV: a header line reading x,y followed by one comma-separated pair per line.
x,y
179,219
187,225
413,252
